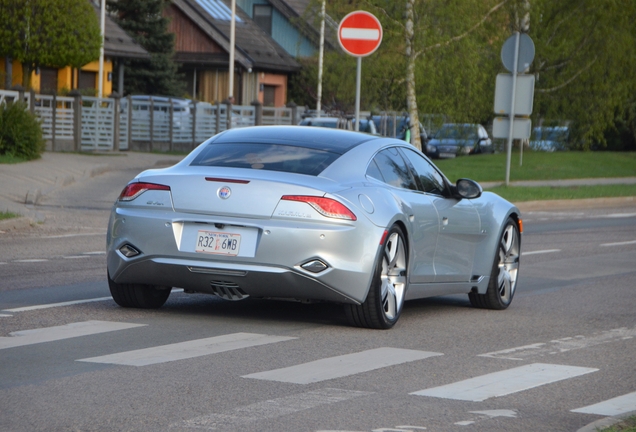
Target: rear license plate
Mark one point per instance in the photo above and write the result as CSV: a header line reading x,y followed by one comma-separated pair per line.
x,y
447,155
219,243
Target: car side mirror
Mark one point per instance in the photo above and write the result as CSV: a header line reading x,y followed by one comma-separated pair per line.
x,y
466,188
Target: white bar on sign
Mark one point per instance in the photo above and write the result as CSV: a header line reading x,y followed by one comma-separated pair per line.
x,y
611,407
186,350
359,33
67,331
341,366
505,382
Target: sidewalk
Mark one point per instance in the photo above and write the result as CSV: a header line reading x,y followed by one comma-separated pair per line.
x,y
23,185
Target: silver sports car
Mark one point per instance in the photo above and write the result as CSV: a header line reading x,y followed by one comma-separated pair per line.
x,y
311,214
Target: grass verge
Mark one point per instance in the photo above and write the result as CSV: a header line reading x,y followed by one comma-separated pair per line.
x,y
9,160
8,215
519,193
541,166
627,425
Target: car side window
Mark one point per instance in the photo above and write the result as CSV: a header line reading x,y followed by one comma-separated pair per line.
x,y
393,169
374,171
430,180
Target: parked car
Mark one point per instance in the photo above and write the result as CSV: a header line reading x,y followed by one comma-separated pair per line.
x,y
311,214
384,125
366,125
455,139
549,138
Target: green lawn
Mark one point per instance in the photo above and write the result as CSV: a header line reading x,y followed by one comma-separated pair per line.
x,y
541,166
519,194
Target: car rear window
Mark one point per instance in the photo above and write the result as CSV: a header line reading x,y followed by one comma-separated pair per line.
x,y
262,156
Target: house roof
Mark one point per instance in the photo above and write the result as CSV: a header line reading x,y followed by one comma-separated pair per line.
x,y
253,47
308,13
117,43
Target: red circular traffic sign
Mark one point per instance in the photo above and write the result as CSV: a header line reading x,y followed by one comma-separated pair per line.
x,y
360,33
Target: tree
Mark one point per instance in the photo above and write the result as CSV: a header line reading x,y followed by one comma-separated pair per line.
x,y
436,57
143,20
584,65
53,33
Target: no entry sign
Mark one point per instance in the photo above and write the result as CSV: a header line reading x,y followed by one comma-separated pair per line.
x,y
360,33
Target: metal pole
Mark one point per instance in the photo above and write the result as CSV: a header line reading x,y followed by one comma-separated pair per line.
x,y
232,43
101,50
320,57
512,109
358,79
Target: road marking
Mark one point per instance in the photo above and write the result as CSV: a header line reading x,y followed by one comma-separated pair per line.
x,y
95,253
271,408
186,350
620,215
505,382
5,315
76,256
540,252
67,331
611,407
563,345
344,365
52,305
68,303
74,235
489,414
30,260
619,243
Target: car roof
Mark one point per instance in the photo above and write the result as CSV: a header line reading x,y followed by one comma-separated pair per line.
x,y
334,140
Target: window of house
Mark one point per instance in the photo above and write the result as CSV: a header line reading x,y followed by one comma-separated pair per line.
x,y
48,80
87,80
263,17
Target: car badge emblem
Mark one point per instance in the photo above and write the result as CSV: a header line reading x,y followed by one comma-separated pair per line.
x,y
225,192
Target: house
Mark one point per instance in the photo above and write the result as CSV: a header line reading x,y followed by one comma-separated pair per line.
x,y
293,24
202,45
117,45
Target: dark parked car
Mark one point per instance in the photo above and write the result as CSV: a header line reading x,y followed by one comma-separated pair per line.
x,y
455,139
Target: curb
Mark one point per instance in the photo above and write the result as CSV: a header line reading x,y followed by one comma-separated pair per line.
x,y
606,422
526,206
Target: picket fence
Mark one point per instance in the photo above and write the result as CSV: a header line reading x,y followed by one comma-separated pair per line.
x,y
140,122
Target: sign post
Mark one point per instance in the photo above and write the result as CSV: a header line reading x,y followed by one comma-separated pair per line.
x,y
359,35
517,54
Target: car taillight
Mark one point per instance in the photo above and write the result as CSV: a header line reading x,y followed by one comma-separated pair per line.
x,y
133,190
325,206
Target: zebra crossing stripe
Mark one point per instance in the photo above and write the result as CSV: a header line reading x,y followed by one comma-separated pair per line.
x,y
505,382
67,331
612,407
270,409
563,345
186,350
341,366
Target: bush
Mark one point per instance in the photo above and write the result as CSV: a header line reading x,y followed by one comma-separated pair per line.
x,y
20,132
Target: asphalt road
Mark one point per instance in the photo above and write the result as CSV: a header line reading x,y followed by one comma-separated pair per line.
x,y
565,344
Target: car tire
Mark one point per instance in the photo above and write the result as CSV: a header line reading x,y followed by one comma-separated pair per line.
x,y
385,300
504,273
138,295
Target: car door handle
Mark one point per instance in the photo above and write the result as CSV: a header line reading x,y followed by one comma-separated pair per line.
x,y
444,221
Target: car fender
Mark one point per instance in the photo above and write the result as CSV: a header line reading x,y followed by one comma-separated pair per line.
x,y
493,212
